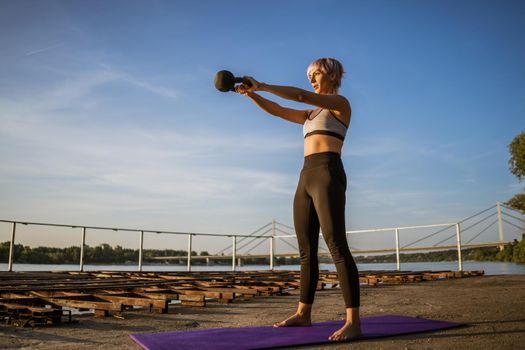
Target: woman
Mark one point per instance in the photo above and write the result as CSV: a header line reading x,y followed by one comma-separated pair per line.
x,y
319,201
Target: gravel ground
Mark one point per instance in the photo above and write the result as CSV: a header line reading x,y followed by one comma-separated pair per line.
x,y
492,307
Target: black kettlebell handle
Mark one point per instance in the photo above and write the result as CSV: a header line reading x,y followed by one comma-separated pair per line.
x,y
225,81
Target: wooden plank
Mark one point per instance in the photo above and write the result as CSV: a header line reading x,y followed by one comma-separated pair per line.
x,y
213,295
155,295
29,308
11,306
44,293
82,304
240,290
15,296
161,304
229,292
177,278
183,297
192,300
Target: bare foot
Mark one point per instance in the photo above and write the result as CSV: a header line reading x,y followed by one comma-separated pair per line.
x,y
347,332
295,320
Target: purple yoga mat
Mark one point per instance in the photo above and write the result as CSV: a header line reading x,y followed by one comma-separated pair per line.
x,y
270,337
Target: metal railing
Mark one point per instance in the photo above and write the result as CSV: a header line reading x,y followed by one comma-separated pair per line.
x,y
269,232
398,249
458,231
141,246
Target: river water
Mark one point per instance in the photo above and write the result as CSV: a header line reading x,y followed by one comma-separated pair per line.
x,y
490,267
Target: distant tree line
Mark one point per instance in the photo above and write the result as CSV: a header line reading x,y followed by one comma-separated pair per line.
x,y
102,254
513,252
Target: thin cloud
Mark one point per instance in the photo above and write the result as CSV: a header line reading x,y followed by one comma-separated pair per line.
x,y
159,90
47,48
140,82
81,90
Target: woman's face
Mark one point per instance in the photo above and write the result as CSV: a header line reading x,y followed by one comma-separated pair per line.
x,y
321,82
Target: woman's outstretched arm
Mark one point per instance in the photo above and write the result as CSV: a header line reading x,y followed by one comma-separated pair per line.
x,y
334,102
292,115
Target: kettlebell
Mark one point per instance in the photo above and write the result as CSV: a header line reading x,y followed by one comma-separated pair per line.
x,y
225,81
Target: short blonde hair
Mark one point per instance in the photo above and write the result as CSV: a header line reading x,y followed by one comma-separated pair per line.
x,y
329,66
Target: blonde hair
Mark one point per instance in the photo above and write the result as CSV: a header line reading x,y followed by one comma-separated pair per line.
x,y
329,66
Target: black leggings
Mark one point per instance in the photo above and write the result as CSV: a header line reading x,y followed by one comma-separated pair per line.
x,y
320,203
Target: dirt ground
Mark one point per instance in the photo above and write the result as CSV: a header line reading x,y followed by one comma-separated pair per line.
x,y
492,307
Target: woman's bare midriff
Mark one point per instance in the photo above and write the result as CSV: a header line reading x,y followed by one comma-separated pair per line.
x,y
322,143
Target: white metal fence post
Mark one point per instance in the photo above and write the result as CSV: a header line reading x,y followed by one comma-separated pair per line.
x,y
458,238
140,249
189,253
82,245
234,252
397,250
12,248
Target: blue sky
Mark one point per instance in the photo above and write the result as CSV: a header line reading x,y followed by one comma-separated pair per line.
x,y
109,115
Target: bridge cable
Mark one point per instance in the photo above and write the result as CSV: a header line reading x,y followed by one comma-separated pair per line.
x,y
255,246
465,229
289,227
250,242
242,239
481,212
510,223
286,233
291,245
480,221
422,239
485,229
514,217
446,228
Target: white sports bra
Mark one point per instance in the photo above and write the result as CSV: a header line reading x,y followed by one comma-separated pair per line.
x,y
323,121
